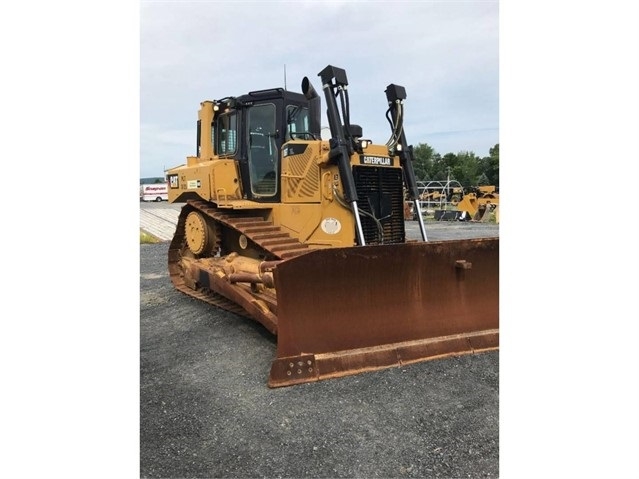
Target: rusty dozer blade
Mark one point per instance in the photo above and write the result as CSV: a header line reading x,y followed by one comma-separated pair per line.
x,y
347,310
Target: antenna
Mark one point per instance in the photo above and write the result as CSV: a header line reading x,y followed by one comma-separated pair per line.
x,y
285,76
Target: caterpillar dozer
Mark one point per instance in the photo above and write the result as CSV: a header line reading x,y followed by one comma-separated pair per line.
x,y
307,236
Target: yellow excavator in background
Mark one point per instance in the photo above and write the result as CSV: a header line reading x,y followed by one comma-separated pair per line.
x,y
307,236
480,202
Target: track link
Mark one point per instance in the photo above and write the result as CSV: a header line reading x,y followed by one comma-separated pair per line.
x,y
275,244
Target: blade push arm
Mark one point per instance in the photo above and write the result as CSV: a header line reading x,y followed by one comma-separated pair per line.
x,y
396,95
340,146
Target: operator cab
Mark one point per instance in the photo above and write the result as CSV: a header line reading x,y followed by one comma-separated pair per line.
x,y
253,128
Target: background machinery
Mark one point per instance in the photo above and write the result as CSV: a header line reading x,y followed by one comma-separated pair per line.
x,y
479,202
307,237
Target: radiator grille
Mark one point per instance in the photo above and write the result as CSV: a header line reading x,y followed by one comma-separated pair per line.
x,y
381,193
305,180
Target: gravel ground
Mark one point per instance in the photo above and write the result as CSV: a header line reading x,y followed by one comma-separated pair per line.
x,y
205,409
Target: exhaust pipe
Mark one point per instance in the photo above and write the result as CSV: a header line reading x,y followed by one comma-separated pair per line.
x,y
308,90
315,107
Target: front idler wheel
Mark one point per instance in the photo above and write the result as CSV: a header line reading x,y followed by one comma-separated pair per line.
x,y
200,235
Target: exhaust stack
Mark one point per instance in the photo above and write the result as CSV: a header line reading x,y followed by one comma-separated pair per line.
x,y
315,107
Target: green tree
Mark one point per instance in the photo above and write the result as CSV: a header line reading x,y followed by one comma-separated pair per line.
x,y
423,161
490,165
483,180
450,160
467,168
464,167
443,166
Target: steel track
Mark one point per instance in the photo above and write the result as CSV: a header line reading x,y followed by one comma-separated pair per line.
x,y
272,242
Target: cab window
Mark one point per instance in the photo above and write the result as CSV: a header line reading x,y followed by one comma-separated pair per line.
x,y
262,149
297,123
225,134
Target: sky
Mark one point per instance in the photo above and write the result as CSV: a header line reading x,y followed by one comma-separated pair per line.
x,y
90,90
446,55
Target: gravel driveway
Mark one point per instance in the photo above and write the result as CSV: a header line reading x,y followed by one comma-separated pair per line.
x,y
205,409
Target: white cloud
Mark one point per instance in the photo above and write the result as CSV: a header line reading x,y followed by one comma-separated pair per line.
x,y
444,53
164,147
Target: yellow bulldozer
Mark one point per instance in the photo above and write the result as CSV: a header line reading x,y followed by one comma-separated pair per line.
x,y
307,237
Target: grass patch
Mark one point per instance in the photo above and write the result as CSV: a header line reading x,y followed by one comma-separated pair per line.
x,y
147,238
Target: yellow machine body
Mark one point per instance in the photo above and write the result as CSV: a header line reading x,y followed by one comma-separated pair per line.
x,y
307,237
